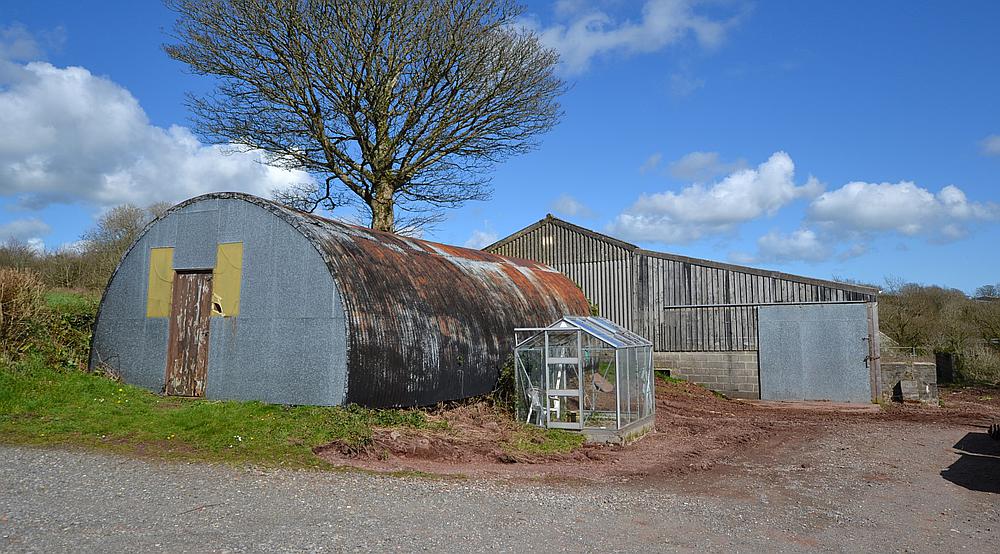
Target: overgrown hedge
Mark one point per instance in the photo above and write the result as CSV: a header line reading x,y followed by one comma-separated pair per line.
x,y
54,326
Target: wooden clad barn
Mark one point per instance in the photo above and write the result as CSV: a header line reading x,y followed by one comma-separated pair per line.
x,y
723,325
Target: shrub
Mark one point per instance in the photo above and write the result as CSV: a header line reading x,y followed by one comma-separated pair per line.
x,y
504,395
980,362
21,306
61,334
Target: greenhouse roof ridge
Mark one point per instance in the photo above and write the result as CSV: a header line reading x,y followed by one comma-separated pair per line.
x,y
598,327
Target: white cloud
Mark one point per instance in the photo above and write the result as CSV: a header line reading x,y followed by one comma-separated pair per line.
x,y
853,251
846,218
24,229
651,163
16,43
480,238
72,137
74,247
803,244
697,210
571,207
36,244
584,34
568,8
699,167
682,84
991,145
900,207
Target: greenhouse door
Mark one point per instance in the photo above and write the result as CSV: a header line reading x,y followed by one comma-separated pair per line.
x,y
564,391
187,347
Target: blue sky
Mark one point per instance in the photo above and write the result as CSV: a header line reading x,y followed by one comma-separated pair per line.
x,y
852,139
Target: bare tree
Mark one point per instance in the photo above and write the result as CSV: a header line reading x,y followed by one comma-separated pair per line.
x,y
106,243
400,103
17,254
988,291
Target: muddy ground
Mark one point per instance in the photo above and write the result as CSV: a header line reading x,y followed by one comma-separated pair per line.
x,y
696,432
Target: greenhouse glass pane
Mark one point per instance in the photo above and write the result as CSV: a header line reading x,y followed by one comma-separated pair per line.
x,y
562,344
599,393
530,379
564,377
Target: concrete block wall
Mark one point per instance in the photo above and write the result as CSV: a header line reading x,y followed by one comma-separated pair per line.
x,y
735,374
912,380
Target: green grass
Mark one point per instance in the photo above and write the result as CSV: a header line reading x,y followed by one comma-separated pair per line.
x,y
69,300
667,378
43,406
535,440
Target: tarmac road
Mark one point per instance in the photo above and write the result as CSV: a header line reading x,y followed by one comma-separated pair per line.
x,y
852,490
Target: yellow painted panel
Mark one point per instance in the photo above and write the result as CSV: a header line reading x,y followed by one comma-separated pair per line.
x,y
159,294
226,279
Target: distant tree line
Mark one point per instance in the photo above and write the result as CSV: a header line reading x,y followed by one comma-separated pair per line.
x,y
938,319
88,263
988,291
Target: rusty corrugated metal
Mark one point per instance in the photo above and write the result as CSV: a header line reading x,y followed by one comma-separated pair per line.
x,y
428,322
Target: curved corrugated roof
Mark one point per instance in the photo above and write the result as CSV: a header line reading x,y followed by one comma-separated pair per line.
x,y
426,322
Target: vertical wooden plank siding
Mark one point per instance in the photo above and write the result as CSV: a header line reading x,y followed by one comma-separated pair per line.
x,y
646,292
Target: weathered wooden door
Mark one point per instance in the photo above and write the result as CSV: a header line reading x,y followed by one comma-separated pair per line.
x,y
187,349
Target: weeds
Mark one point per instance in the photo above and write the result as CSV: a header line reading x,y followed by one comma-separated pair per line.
x,y
21,306
666,378
535,440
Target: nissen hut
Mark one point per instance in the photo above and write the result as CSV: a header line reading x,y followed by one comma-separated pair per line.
x,y
230,296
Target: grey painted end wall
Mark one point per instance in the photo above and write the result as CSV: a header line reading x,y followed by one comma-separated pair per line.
x,y
288,343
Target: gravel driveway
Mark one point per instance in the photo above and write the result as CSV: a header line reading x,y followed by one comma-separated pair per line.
x,y
853,490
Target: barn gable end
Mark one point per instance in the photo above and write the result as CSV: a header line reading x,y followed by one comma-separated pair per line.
x,y
701,315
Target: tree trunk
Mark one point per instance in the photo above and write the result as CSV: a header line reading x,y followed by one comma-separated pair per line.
x,y
383,212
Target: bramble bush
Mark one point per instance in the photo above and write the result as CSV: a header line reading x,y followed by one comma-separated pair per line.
x,y
53,326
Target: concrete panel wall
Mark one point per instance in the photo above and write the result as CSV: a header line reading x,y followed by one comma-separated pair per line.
x,y
287,345
734,374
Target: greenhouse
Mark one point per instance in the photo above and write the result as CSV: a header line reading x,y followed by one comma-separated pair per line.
x,y
586,374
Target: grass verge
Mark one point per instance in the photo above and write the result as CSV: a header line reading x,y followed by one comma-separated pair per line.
x,y
44,406
534,440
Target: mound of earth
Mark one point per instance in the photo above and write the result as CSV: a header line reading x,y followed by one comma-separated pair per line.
x,y
695,430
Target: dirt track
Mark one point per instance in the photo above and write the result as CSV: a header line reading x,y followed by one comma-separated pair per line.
x,y
695,432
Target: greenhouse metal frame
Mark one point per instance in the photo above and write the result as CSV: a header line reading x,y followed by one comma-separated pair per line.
x,y
586,374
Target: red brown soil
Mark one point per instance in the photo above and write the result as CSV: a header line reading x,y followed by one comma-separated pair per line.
x,y
695,431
